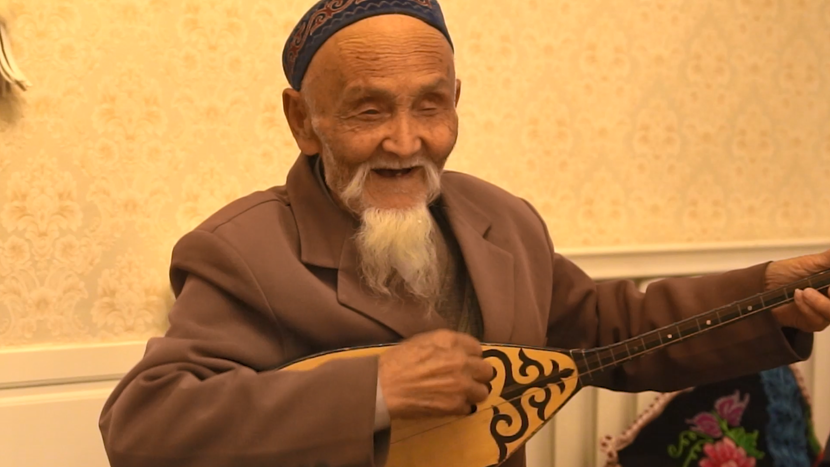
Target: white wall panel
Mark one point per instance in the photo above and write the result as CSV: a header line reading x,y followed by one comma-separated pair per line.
x,y
53,426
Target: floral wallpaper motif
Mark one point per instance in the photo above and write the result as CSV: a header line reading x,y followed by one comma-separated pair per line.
x,y
626,122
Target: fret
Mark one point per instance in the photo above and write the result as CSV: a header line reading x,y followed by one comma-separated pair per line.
x,y
775,300
637,349
763,303
606,359
697,322
790,291
652,342
669,334
731,314
587,366
591,360
685,329
623,352
751,306
586,370
708,323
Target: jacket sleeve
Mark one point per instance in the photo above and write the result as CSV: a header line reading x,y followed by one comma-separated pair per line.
x,y
585,314
207,393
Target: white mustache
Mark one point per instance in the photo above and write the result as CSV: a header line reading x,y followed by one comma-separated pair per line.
x,y
398,164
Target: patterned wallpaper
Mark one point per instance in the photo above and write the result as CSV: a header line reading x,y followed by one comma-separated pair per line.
x,y
625,122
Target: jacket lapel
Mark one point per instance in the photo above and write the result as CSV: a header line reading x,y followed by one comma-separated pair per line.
x,y
490,267
326,233
326,241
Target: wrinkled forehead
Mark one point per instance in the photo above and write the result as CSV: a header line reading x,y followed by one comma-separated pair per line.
x,y
327,17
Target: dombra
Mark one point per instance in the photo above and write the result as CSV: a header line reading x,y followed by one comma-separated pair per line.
x,y
532,384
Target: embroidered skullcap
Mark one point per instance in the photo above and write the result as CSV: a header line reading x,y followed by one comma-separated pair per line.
x,y
327,17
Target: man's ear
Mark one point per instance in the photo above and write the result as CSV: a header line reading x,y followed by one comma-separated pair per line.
x,y
298,116
457,91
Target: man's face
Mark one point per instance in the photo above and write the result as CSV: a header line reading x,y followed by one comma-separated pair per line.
x,y
382,96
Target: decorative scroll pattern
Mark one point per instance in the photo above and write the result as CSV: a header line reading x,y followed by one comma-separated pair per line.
x,y
531,386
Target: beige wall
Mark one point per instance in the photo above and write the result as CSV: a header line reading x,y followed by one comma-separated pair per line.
x,y
626,122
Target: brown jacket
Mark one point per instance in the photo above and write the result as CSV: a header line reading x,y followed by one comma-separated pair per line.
x,y
272,278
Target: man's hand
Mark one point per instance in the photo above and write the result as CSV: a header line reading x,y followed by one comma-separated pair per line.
x,y
434,374
811,310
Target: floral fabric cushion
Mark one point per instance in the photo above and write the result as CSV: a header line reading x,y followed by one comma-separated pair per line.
x,y
754,421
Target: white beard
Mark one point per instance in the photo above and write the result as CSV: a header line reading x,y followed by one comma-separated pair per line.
x,y
397,249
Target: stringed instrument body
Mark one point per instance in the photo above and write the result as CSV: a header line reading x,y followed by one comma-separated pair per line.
x,y
531,384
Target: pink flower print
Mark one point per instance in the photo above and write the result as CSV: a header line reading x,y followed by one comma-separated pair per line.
x,y
731,408
724,453
707,424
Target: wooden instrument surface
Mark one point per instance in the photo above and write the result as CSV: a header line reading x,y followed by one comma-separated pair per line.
x,y
529,387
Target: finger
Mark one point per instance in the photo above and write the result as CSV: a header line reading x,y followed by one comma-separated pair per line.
x,y
816,261
803,266
823,259
812,319
817,302
460,406
477,392
469,344
480,370
463,409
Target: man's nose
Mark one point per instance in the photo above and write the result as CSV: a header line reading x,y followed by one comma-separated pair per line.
x,y
404,139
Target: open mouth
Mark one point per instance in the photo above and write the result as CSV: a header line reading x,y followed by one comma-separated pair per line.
x,y
393,173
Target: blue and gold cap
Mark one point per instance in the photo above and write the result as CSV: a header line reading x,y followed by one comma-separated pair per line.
x,y
327,17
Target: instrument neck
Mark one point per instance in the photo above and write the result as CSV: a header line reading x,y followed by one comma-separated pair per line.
x,y
592,361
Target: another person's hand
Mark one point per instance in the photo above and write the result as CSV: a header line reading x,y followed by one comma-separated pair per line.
x,y
810,311
434,374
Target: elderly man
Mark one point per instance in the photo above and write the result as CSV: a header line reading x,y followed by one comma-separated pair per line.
x,y
370,241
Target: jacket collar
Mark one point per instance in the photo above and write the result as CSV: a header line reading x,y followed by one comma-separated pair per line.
x,y
326,232
323,227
